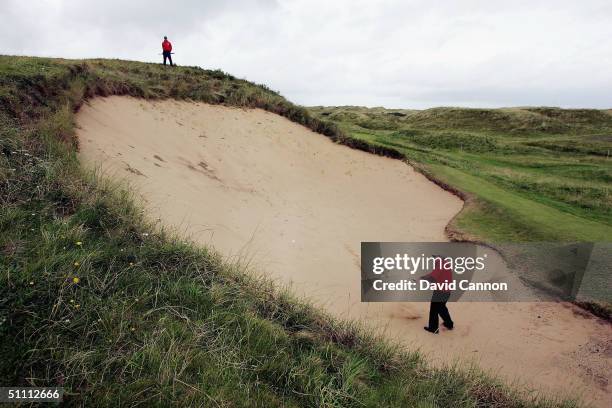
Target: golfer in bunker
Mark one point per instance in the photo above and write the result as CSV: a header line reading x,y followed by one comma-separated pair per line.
x,y
441,274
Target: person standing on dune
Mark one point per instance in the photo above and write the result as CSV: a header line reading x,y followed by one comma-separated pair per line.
x,y
167,50
441,274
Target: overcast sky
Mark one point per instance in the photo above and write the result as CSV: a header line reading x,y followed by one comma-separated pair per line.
x,y
393,53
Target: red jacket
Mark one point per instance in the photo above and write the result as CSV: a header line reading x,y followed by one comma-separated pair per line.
x,y
442,275
166,46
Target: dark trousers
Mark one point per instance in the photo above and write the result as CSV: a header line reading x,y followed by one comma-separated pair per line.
x,y
438,308
167,55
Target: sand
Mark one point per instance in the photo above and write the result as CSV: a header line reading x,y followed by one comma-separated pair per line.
x,y
281,200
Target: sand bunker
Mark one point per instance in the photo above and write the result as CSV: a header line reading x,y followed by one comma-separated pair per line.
x,y
269,193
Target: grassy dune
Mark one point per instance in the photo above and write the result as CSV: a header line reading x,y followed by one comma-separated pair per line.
x,y
96,299
529,174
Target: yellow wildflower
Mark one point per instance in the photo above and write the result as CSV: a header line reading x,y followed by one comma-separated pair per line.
x,y
76,280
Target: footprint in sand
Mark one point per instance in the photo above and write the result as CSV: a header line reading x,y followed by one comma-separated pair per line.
x,y
405,311
354,255
134,170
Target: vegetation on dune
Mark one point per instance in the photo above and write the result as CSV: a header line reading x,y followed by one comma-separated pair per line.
x,y
529,174
96,299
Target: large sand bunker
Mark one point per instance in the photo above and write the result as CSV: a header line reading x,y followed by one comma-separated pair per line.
x,y
289,202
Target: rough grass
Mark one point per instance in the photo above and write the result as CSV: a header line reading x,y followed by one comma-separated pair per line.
x,y
96,299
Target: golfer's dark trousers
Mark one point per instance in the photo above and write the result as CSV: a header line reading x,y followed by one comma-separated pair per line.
x,y
438,308
168,56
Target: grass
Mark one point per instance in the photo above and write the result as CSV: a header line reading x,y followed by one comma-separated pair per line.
x,y
543,174
98,300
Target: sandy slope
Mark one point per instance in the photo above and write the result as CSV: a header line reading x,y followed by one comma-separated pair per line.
x,y
271,194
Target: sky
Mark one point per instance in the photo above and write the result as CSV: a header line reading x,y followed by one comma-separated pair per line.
x,y
393,53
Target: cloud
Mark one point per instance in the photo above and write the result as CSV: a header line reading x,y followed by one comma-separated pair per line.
x,y
411,54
